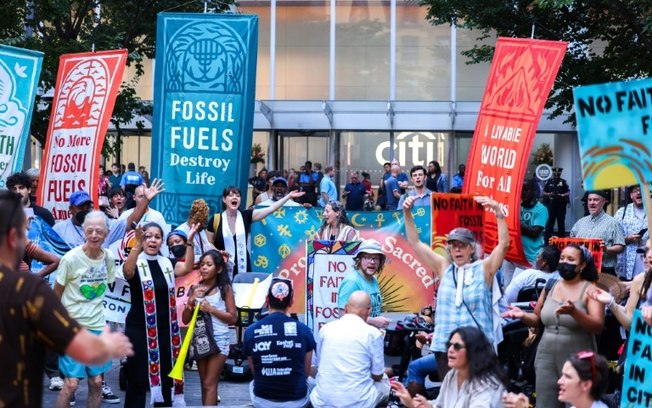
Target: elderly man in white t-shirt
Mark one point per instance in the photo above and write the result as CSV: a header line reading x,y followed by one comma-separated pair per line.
x,y
350,357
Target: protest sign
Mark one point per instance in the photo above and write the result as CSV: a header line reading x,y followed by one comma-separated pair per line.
x,y
593,245
19,74
328,263
614,127
450,211
521,76
84,96
637,378
203,107
279,247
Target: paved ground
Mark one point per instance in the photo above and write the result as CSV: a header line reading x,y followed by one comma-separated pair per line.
x,y
232,393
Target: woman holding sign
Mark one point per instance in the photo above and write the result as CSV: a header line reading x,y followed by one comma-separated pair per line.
x,y
465,296
570,319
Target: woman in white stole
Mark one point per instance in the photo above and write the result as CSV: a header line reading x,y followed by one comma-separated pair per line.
x,y
230,231
336,226
151,323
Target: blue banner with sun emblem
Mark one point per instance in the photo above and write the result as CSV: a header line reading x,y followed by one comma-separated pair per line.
x,y
19,73
614,126
204,93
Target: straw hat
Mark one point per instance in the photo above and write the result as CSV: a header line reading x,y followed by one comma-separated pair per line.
x,y
613,285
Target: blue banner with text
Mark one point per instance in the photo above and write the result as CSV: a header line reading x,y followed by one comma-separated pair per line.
x,y
203,107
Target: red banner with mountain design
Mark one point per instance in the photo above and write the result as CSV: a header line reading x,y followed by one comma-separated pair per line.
x,y
84,96
520,79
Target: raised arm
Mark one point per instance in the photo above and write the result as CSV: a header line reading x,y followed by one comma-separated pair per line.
x,y
496,257
188,264
260,213
433,261
129,267
141,208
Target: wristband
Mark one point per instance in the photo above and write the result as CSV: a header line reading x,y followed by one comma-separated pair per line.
x,y
190,244
611,302
500,216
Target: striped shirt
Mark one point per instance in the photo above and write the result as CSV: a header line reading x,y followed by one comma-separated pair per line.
x,y
604,227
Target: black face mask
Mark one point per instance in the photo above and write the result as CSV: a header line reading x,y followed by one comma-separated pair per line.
x,y
79,217
566,270
178,251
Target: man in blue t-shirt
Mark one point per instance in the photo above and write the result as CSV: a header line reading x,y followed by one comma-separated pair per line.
x,y
279,349
368,262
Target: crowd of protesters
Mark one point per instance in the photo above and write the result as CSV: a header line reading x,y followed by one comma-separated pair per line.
x,y
470,305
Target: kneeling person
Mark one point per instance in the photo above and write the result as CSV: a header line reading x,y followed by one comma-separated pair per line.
x,y
279,350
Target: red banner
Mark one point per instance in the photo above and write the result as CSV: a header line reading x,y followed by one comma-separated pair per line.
x,y
450,211
87,85
593,245
521,77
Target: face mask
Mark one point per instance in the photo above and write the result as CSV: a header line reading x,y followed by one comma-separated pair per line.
x,y
79,217
178,251
566,270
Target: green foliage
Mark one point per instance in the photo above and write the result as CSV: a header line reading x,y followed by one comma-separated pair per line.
x,y
608,40
60,27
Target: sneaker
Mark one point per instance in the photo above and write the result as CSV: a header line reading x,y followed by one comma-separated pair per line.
x,y
73,401
56,384
108,396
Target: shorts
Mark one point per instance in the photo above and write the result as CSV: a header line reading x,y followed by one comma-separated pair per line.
x,y
223,341
72,368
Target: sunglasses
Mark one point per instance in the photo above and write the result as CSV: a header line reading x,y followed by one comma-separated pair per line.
x,y
456,346
588,355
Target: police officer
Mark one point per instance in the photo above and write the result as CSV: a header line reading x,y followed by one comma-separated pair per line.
x,y
556,198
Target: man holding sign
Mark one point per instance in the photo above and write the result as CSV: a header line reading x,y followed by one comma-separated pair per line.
x,y
368,262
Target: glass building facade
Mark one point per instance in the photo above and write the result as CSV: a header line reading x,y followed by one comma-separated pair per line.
x,y
357,83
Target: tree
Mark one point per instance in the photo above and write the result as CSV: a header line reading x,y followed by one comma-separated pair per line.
x,y
609,40
58,27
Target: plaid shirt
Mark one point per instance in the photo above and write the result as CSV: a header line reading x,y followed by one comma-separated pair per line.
x,y
604,227
476,296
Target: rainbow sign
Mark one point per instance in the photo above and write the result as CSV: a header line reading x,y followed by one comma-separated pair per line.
x,y
614,127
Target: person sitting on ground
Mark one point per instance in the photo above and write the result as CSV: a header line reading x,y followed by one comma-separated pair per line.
x,y
545,267
282,369
476,378
351,361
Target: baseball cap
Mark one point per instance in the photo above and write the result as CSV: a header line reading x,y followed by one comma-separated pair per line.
x,y
177,232
79,198
461,234
281,180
